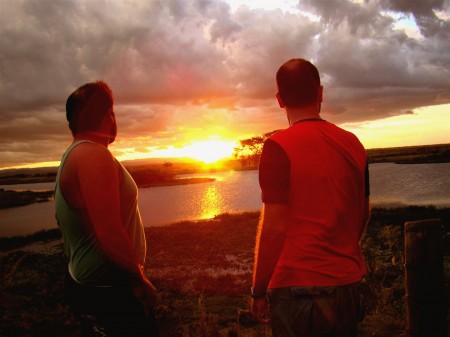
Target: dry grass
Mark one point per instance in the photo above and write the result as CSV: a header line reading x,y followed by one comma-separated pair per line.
x,y
203,273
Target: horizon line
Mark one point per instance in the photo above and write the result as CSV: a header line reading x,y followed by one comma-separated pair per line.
x,y
55,164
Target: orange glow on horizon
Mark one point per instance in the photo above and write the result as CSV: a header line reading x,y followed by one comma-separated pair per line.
x,y
208,151
32,165
424,126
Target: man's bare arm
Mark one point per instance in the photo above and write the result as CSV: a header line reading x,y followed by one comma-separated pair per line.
x,y
269,242
366,217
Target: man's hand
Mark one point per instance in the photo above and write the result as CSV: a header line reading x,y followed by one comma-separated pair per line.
x,y
145,292
259,308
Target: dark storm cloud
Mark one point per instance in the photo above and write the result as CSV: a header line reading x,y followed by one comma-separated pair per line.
x,y
373,70
164,58
418,8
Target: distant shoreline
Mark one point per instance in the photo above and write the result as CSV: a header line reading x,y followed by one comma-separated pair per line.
x,y
424,154
153,175
11,199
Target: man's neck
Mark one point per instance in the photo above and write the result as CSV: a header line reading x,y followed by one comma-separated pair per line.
x,y
93,137
296,115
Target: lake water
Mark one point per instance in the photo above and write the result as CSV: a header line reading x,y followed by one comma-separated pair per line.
x,y
391,185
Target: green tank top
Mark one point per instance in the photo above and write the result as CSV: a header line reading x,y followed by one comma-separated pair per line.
x,y
87,264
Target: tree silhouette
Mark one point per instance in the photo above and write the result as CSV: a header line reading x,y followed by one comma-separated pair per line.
x,y
249,150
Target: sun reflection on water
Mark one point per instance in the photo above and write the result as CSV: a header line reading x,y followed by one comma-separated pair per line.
x,y
211,203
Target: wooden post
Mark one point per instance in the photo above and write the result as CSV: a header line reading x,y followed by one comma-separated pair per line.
x,y
425,291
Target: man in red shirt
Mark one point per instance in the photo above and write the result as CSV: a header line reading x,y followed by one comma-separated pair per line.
x,y
315,191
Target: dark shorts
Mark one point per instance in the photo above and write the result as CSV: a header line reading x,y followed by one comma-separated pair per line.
x,y
316,311
108,311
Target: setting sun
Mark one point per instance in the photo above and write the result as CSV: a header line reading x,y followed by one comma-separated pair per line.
x,y
209,151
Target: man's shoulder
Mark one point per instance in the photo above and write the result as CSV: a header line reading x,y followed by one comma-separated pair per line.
x,y
86,148
350,136
90,153
276,135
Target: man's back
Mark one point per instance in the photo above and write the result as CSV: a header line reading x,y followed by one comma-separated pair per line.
x,y
326,206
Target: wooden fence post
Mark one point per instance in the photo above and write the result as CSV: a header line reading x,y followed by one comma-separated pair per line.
x,y
425,293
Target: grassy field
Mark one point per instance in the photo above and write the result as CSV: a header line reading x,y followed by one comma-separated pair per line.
x,y
202,270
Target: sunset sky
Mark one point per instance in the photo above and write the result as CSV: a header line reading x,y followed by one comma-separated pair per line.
x,y
195,76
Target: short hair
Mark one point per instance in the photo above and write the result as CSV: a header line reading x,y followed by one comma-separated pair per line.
x,y
87,106
298,81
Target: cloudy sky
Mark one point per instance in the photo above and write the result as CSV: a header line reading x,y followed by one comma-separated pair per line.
x,y
186,71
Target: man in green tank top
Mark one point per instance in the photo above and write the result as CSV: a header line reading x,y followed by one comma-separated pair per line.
x,y
97,212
